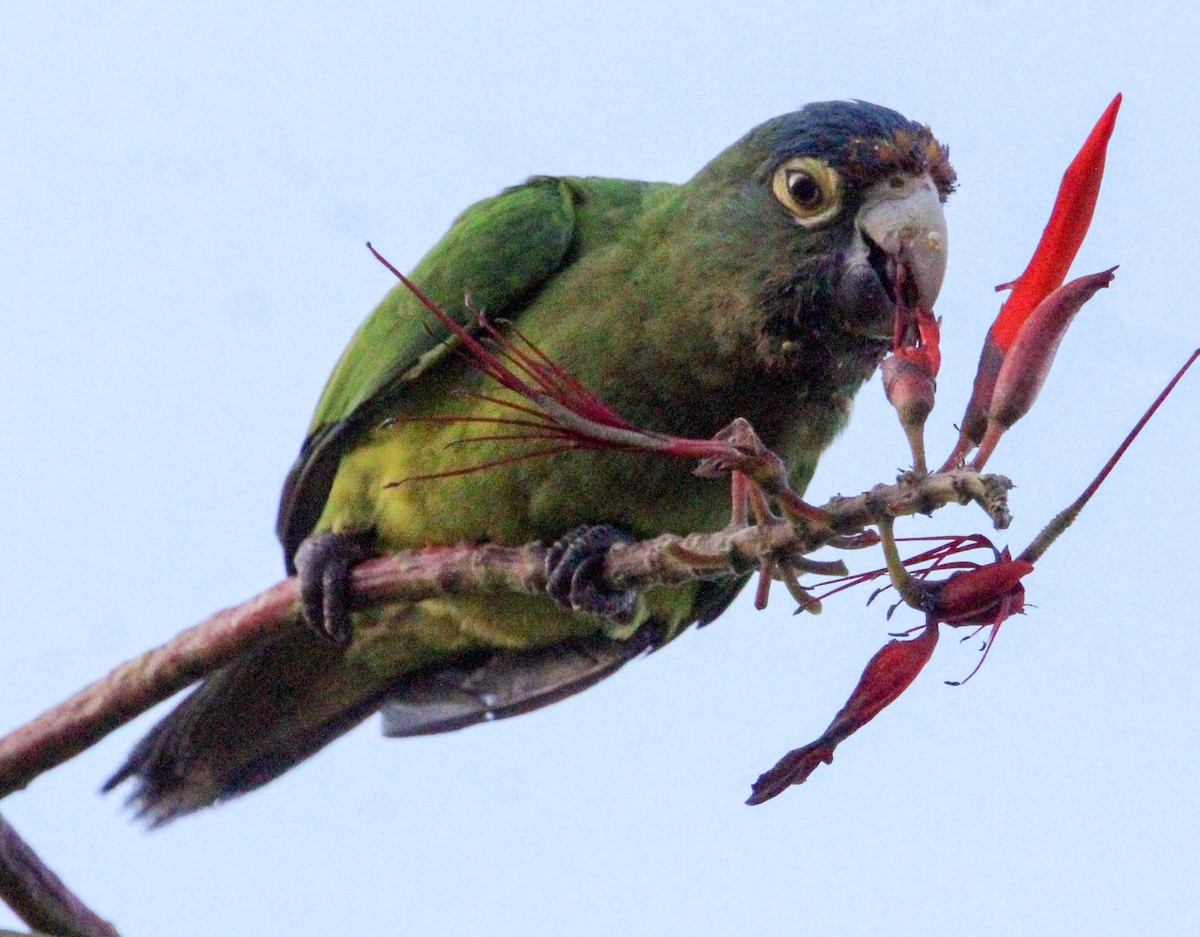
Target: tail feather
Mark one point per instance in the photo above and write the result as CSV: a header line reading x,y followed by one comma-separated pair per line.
x,y
506,683
250,722
246,725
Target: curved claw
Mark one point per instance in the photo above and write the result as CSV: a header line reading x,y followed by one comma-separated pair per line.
x,y
323,563
575,573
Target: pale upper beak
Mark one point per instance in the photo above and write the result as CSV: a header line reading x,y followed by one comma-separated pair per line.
x,y
902,217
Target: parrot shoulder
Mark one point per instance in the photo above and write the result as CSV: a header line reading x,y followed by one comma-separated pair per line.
x,y
496,257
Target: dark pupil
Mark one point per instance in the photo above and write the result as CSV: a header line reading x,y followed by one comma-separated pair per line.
x,y
804,190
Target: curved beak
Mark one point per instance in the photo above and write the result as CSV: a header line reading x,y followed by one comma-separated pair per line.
x,y
900,247
902,217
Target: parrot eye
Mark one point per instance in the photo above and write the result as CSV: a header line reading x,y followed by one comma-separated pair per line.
x,y
803,188
809,189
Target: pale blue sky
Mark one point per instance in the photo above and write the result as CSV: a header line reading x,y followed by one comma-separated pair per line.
x,y
185,192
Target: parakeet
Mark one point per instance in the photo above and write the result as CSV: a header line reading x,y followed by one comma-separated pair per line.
x,y
769,286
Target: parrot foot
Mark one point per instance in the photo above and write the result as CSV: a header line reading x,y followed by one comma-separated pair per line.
x,y
323,564
575,573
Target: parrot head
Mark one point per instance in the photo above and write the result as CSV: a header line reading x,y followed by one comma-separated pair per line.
x,y
842,202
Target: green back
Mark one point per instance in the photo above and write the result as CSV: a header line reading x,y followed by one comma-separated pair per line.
x,y
499,254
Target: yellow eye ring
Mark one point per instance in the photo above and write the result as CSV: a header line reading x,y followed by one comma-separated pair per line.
x,y
809,189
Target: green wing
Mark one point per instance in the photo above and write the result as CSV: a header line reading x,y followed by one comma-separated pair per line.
x,y
499,252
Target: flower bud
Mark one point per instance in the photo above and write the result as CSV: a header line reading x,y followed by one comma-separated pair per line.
x,y
910,389
910,382
974,596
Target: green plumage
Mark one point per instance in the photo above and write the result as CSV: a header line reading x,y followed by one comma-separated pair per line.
x,y
682,307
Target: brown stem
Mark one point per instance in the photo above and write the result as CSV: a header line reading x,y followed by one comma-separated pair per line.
x,y
908,587
38,897
74,725
1066,517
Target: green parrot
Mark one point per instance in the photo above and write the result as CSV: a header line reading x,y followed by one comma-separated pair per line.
x,y
769,286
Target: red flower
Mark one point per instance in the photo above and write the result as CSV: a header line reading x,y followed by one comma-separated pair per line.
x,y
1064,233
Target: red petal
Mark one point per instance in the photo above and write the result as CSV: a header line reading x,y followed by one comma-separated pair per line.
x,y
1032,350
888,674
974,421
970,595
1064,232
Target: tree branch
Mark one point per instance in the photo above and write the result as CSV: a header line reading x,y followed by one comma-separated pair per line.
x,y
776,544
135,686
38,897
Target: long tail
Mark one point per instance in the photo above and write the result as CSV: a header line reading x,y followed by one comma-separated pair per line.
x,y
246,725
250,722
